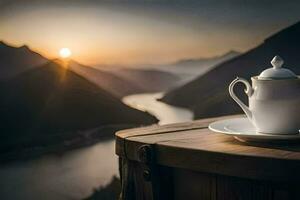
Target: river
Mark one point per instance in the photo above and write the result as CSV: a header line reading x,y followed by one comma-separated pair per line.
x,y
166,114
74,174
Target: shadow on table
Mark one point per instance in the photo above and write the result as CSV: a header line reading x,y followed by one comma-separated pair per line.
x,y
286,145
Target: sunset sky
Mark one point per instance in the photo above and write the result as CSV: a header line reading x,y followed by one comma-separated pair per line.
x,y
139,31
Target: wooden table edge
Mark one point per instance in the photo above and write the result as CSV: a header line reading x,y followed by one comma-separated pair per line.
x,y
210,162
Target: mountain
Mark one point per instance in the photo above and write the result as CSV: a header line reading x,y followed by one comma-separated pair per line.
x,y
109,81
208,94
50,103
15,60
148,80
206,61
188,69
124,81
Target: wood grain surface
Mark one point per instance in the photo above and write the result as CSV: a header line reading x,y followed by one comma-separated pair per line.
x,y
193,146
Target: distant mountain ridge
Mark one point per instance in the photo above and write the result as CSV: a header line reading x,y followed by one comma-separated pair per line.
x,y
122,82
208,94
206,61
112,83
189,69
14,60
148,80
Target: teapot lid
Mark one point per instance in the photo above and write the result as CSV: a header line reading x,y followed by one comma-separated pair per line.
x,y
277,72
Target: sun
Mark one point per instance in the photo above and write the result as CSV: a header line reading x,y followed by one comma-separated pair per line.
x,y
65,52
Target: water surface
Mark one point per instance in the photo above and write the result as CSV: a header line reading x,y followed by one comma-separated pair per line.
x,y
165,113
74,174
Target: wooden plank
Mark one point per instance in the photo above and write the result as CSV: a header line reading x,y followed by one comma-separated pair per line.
x,y
156,129
169,136
196,185
120,147
134,187
205,140
193,185
194,147
211,156
232,165
237,188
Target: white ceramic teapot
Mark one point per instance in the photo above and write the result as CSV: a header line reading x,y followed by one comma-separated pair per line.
x,y
274,100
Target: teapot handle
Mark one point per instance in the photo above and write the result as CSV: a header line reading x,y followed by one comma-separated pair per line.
x,y
248,91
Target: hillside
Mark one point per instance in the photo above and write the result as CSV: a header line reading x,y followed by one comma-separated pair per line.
x,y
148,80
114,84
51,103
208,94
15,60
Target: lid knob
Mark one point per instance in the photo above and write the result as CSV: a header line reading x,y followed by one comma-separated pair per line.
x,y
277,62
277,71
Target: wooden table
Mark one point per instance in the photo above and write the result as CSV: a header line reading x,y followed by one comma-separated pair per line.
x,y
188,161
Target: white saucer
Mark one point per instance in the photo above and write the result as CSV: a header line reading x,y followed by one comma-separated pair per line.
x,y
242,129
